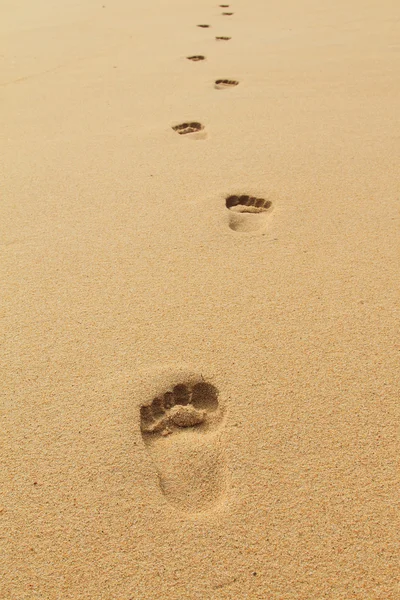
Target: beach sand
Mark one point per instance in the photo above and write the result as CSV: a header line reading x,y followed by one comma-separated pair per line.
x,y
128,283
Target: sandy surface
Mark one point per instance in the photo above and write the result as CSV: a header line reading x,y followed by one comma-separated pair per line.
x,y
124,274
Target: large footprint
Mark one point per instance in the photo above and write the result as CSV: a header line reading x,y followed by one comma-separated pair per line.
x,y
181,428
247,213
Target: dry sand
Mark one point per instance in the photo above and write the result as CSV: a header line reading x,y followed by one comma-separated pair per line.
x,y
124,274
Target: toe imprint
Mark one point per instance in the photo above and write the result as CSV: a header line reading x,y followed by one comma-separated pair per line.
x,y
225,83
158,407
182,394
205,396
247,204
184,406
185,128
196,57
169,400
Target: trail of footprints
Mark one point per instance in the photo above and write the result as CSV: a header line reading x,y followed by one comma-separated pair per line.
x,y
181,425
219,83
248,214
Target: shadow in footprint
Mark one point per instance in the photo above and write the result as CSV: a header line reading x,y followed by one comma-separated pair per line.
x,y
194,128
196,57
247,213
224,5
227,14
222,38
222,84
181,430
204,26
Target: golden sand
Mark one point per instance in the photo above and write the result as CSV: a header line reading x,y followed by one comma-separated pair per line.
x,y
211,244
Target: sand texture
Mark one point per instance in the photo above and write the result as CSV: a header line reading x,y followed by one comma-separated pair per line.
x,y
200,250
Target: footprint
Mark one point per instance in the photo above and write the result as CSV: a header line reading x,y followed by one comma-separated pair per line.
x,y
221,84
224,5
181,428
227,14
247,213
193,127
196,57
204,26
222,37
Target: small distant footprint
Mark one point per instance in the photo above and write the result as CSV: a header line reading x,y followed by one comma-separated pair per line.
x,y
222,84
247,213
204,26
222,37
196,57
228,14
181,430
195,128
